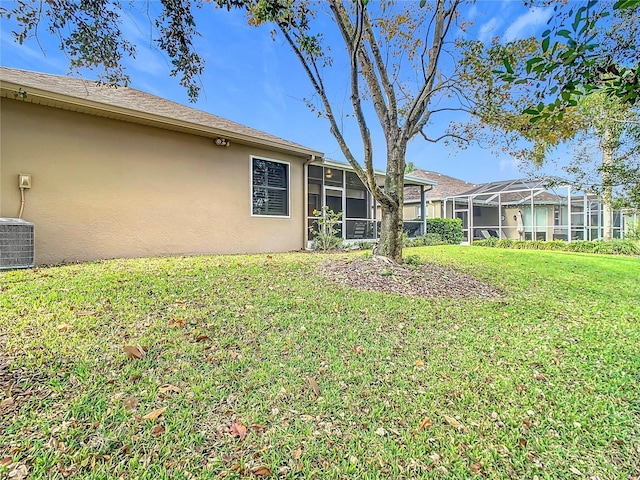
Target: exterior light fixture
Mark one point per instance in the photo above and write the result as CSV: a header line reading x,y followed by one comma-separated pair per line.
x,y
221,142
328,173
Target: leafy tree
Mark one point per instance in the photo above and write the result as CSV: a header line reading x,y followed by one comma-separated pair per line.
x,y
579,93
402,68
409,167
589,47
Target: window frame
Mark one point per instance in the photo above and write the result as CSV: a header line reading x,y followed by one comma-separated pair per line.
x,y
252,186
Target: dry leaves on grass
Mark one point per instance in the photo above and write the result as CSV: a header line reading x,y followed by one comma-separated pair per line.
x,y
133,351
238,430
261,471
453,422
430,281
130,403
426,423
168,388
314,386
155,413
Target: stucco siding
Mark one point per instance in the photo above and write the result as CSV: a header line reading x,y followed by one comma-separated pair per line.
x,y
105,188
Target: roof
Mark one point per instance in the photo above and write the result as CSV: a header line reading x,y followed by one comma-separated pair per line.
x,y
521,184
415,181
519,191
445,186
129,104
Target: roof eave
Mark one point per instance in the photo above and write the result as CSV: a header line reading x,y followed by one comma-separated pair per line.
x,y
137,116
408,180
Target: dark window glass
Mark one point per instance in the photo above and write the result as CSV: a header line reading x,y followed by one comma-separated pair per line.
x,y
270,193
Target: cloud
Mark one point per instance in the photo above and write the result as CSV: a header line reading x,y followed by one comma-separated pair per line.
x,y
26,57
525,25
508,164
489,29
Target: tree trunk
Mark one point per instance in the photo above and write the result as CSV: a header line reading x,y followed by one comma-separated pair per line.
x,y
607,189
391,232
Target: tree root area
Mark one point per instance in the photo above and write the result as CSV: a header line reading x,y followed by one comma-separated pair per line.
x,y
378,274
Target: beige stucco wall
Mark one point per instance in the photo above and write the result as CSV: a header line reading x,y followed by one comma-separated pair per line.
x,y
409,210
104,188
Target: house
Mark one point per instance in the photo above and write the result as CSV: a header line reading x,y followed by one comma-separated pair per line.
x,y
116,172
445,187
530,209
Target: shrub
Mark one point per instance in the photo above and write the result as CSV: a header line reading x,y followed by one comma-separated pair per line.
x,y
425,240
449,229
326,236
613,247
413,260
633,231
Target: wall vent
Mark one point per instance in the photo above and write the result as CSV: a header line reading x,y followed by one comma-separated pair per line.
x,y
16,243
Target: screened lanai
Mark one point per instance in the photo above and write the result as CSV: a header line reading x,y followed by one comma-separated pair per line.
x,y
531,209
335,185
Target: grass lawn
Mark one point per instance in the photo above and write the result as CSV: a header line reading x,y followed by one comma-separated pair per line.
x,y
256,366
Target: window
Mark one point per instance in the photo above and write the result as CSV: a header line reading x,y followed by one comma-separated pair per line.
x,y
269,187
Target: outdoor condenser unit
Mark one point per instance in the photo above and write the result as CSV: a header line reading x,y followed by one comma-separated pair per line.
x,y
16,243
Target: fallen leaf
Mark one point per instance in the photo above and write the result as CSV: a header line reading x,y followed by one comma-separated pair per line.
x,y
573,469
157,430
133,351
238,430
261,471
130,403
177,323
453,422
168,388
155,413
18,471
314,385
296,455
64,327
435,457
65,471
6,461
539,376
426,423
358,349
381,431
202,338
475,468
419,363
6,402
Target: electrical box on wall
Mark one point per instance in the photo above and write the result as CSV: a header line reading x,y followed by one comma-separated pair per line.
x,y
24,180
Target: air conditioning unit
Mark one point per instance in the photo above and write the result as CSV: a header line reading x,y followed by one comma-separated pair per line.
x,y
16,243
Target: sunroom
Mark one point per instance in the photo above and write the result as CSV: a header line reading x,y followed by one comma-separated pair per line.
x,y
533,209
335,185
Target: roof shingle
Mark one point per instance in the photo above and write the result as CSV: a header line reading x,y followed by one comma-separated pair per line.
x,y
446,186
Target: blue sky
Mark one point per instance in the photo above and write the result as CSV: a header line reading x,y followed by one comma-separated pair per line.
x,y
253,80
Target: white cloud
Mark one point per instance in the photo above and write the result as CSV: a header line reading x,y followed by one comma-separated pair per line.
x,y
508,164
525,24
489,29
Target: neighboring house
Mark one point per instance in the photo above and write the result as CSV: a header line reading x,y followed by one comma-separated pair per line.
x,y
540,209
116,172
445,187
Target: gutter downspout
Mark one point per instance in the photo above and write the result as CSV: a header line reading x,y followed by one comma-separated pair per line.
x,y
423,210
305,200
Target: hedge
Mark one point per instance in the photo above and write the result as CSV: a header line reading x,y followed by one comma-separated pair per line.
x,y
613,247
449,229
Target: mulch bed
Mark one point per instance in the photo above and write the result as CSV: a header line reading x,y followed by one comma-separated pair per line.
x,y
378,274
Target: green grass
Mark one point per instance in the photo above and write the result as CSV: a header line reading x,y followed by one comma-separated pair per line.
x,y
544,382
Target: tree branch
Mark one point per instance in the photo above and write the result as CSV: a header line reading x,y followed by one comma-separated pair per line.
x,y
449,135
